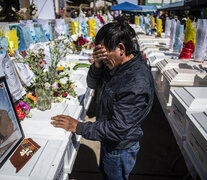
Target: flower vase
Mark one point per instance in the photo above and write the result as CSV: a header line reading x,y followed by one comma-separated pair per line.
x,y
43,99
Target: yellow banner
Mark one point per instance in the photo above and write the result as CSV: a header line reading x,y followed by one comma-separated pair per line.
x,y
190,32
137,20
75,27
159,27
153,22
92,27
12,41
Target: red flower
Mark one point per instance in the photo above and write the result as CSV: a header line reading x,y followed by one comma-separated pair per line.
x,y
55,94
81,41
24,53
64,94
43,61
20,114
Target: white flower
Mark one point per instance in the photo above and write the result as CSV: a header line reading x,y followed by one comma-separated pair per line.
x,y
47,85
63,80
55,85
62,73
65,73
61,38
45,70
66,41
74,37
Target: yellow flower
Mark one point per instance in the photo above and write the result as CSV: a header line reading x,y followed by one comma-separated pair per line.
x,y
60,69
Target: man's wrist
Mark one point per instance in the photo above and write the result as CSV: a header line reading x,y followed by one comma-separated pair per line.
x,y
79,128
98,65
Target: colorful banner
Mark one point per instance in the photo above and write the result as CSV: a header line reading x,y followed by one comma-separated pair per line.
x,y
39,32
179,37
27,36
92,27
137,20
189,41
159,27
75,27
12,41
152,23
20,36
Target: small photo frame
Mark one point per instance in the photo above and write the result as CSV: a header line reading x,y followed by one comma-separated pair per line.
x,y
11,133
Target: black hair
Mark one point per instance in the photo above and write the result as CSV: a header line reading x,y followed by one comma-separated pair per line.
x,y
119,19
114,33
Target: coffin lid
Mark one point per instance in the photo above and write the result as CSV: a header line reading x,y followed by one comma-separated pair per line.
x,y
192,98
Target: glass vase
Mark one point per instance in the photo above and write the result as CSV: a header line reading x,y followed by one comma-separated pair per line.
x,y
43,99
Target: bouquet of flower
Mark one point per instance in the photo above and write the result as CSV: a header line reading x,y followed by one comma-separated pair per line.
x,y
59,48
63,87
45,72
24,105
79,42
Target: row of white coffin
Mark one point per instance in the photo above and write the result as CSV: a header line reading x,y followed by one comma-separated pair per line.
x,y
181,86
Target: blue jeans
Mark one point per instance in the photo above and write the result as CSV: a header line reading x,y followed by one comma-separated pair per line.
x,y
117,164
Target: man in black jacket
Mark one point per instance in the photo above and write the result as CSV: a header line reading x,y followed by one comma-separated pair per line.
x,y
126,92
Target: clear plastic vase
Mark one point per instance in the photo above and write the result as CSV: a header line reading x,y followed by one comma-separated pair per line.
x,y
43,99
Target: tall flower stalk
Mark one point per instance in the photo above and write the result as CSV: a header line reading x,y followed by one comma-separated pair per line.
x,y
59,48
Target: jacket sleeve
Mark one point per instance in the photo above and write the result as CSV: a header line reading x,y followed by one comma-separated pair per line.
x,y
128,111
94,76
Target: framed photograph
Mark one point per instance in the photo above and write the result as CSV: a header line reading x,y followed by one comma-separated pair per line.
x,y
11,133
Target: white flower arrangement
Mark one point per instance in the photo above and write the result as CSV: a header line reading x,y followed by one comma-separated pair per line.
x,y
63,80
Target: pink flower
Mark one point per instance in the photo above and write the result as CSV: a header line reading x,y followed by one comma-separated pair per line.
x,y
64,94
55,85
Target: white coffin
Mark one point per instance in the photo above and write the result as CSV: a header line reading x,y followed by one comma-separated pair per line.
x,y
158,45
160,53
148,49
81,78
196,142
46,164
176,78
153,60
152,38
76,58
80,82
40,123
172,63
166,64
142,45
185,99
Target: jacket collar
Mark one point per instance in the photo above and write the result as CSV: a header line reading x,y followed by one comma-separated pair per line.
x,y
125,66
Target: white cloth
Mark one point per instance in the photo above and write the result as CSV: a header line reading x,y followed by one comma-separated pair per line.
x,y
201,41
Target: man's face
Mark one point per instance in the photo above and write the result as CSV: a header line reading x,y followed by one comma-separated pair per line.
x,y
113,58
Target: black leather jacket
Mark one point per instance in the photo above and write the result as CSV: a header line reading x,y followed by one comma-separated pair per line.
x,y
125,98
